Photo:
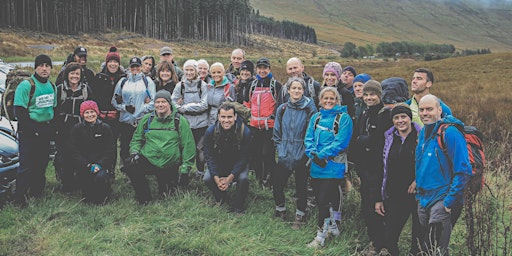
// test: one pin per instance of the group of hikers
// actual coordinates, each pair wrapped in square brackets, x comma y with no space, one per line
[229,121]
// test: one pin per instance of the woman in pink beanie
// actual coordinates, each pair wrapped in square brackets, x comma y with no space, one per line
[93,151]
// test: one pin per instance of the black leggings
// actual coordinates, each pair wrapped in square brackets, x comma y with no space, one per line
[328,194]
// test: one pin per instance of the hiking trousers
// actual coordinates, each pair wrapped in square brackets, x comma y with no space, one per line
[34,151]
[242,189]
[263,154]
[328,194]
[398,209]
[437,223]
[280,178]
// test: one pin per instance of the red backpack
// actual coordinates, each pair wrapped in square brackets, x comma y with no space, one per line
[263,104]
[474,140]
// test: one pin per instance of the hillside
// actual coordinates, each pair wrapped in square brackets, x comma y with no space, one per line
[463,23]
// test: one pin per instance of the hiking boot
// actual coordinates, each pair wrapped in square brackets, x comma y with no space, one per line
[384,252]
[280,214]
[236,210]
[319,240]
[299,222]
[333,229]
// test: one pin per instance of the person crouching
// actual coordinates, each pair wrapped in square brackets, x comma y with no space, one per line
[93,150]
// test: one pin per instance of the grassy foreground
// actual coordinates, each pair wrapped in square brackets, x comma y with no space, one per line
[185,224]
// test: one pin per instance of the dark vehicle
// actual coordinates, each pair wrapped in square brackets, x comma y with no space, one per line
[9,162]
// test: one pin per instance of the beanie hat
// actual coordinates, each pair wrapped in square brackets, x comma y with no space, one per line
[89,104]
[401,108]
[394,90]
[191,63]
[372,86]
[163,94]
[113,55]
[334,67]
[42,59]
[351,69]
[248,65]
[362,78]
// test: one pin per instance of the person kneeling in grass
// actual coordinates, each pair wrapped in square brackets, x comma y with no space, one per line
[226,150]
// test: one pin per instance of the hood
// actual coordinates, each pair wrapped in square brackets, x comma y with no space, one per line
[300,104]
[333,111]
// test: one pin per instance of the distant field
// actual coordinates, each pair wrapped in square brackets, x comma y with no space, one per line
[463,24]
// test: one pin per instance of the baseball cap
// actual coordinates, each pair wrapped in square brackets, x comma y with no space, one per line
[263,62]
[165,50]
[80,51]
[135,61]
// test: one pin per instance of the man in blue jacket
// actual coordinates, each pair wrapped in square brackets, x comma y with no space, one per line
[226,151]
[440,177]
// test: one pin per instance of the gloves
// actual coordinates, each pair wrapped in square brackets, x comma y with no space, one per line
[119,99]
[318,161]
[93,167]
[184,179]
[132,160]
[130,109]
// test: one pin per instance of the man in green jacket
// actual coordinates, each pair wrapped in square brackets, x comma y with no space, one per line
[162,145]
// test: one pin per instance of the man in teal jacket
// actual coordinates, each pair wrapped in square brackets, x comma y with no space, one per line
[162,145]
[440,177]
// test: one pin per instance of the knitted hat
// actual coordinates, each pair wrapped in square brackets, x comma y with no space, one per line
[372,86]
[351,69]
[42,59]
[334,67]
[88,104]
[394,90]
[191,63]
[247,65]
[363,78]
[401,108]
[113,55]
[163,94]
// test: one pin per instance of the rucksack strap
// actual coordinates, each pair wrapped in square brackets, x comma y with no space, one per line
[146,82]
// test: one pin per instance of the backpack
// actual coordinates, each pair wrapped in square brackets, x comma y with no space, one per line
[239,131]
[474,139]
[145,79]
[64,94]
[263,104]
[176,124]
[199,85]
[335,125]
[14,78]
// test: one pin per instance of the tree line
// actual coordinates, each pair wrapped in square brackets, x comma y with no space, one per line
[225,21]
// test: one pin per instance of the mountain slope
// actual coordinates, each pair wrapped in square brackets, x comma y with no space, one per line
[463,23]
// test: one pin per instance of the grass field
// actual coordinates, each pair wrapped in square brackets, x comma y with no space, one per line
[476,88]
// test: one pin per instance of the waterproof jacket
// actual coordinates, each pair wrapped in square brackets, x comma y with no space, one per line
[290,130]
[134,93]
[227,153]
[162,143]
[216,95]
[416,112]
[389,137]
[322,141]
[437,177]
[169,86]
[103,88]
[92,144]
[195,104]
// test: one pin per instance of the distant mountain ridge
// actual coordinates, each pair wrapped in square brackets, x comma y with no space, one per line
[467,24]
